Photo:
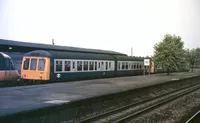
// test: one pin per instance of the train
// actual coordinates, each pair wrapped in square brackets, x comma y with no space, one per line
[7,69]
[43,65]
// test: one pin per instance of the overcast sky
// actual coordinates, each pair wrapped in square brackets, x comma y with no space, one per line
[101,24]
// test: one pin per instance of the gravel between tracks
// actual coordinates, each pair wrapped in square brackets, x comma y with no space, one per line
[173,112]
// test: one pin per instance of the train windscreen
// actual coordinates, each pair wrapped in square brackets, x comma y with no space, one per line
[41,64]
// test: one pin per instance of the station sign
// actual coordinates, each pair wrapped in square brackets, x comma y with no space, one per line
[146,62]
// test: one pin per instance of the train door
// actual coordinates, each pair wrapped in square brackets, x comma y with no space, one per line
[8,75]
[73,65]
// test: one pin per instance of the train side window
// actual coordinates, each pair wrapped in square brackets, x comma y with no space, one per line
[41,64]
[58,65]
[127,65]
[26,64]
[109,64]
[85,65]
[79,65]
[119,65]
[91,65]
[134,66]
[73,65]
[99,65]
[106,65]
[67,65]
[95,65]
[33,64]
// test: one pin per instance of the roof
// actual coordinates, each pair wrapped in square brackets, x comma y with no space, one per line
[38,46]
[69,55]
[4,55]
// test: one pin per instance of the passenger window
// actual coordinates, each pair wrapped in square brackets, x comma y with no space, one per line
[73,65]
[26,64]
[58,65]
[109,64]
[41,64]
[85,65]
[95,66]
[134,66]
[91,65]
[119,65]
[106,65]
[127,65]
[123,66]
[33,64]
[79,65]
[99,64]
[67,65]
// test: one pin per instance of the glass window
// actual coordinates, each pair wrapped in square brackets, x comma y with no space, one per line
[73,65]
[123,66]
[91,65]
[99,64]
[95,65]
[58,65]
[79,65]
[67,65]
[119,65]
[33,64]
[132,66]
[26,64]
[127,65]
[41,64]
[106,65]
[85,65]
[109,64]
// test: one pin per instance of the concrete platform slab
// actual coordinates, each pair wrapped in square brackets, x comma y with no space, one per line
[24,98]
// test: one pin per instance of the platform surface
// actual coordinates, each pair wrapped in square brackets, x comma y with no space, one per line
[18,99]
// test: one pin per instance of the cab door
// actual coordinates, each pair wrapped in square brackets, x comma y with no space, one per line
[7,70]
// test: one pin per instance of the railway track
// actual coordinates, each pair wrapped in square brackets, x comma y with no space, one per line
[131,111]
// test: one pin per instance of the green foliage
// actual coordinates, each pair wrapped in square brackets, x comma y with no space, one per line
[193,57]
[169,53]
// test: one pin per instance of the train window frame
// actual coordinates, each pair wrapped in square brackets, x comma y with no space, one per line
[119,65]
[38,67]
[91,65]
[33,67]
[95,65]
[85,65]
[79,65]
[106,65]
[28,64]
[61,65]
[68,68]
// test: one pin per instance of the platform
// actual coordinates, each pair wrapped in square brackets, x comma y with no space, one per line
[24,98]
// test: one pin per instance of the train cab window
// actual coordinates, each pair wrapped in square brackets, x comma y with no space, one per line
[106,65]
[67,65]
[58,65]
[26,64]
[7,64]
[33,64]
[79,65]
[91,65]
[95,65]
[85,65]
[41,64]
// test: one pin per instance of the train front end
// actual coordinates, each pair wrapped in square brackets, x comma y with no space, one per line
[35,68]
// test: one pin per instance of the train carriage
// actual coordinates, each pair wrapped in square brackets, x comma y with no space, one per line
[129,65]
[59,65]
[7,69]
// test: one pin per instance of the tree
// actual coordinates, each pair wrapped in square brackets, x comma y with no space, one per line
[169,53]
[191,57]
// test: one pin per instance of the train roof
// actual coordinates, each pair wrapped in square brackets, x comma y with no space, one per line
[4,55]
[37,46]
[69,55]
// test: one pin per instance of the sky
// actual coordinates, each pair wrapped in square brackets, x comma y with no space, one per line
[115,25]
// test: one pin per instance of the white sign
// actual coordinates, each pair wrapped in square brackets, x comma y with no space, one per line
[146,62]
